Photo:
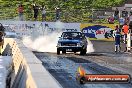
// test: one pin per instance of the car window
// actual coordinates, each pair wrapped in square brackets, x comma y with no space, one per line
[71,35]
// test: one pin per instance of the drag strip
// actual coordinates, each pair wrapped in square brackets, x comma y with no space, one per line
[63,69]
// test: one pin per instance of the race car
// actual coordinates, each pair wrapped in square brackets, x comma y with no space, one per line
[72,41]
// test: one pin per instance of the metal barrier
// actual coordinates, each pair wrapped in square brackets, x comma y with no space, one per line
[28,70]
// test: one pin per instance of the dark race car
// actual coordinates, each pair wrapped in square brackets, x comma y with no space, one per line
[72,41]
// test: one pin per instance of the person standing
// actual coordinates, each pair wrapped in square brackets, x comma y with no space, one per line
[20,12]
[116,14]
[121,22]
[125,30]
[127,20]
[117,39]
[35,9]
[43,13]
[57,13]
[124,13]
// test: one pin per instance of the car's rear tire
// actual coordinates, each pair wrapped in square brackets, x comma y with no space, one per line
[64,51]
[58,51]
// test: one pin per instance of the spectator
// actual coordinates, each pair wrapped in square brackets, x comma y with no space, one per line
[57,13]
[117,39]
[127,20]
[111,20]
[116,14]
[20,12]
[35,9]
[121,22]
[124,13]
[43,13]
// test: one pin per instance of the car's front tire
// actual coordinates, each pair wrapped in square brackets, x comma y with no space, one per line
[83,51]
[63,51]
[58,51]
[74,51]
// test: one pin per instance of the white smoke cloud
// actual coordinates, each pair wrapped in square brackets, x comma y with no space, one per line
[90,47]
[42,43]
[27,41]
[48,42]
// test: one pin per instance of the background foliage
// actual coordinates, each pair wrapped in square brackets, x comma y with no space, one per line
[71,10]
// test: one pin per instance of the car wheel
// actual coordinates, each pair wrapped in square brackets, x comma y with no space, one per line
[64,51]
[74,51]
[83,51]
[58,51]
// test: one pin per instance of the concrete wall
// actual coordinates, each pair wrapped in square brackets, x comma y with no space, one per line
[28,70]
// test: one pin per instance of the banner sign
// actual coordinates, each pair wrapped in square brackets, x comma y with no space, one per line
[99,31]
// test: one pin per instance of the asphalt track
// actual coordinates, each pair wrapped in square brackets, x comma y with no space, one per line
[63,67]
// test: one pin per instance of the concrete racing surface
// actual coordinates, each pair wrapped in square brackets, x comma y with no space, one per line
[63,67]
[105,46]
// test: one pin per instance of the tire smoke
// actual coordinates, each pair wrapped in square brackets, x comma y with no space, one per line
[46,43]
[90,47]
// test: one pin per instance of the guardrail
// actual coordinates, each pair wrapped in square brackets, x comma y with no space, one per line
[28,70]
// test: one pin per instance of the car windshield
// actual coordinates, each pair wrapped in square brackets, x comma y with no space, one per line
[74,35]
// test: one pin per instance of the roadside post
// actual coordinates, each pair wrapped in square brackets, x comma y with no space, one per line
[129,37]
